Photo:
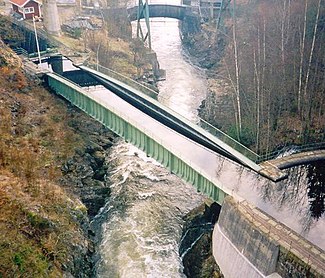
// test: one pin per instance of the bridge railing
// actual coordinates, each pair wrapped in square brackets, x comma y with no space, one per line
[23,52]
[257,158]
[228,140]
[46,52]
[202,123]
[134,84]
[139,136]
[290,149]
[20,51]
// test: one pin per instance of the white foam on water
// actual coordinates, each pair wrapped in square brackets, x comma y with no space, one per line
[144,219]
[144,223]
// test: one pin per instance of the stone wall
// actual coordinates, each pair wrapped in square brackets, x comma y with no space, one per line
[247,240]
[253,244]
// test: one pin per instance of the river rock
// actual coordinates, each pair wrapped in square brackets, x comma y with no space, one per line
[91,161]
[196,244]
[93,147]
[100,174]
[105,141]
[84,171]
[99,157]
[94,196]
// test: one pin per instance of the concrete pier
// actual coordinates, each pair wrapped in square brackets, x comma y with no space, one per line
[51,17]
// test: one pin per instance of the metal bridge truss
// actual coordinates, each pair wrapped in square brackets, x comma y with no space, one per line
[143,139]
[143,12]
[223,6]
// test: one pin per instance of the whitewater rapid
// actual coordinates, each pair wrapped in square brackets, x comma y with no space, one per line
[144,214]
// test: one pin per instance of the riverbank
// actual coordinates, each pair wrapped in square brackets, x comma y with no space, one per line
[57,161]
[45,225]
[196,243]
[261,107]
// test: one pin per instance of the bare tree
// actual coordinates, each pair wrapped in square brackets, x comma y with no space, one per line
[237,88]
[302,51]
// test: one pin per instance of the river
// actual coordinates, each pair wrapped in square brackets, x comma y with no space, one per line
[144,216]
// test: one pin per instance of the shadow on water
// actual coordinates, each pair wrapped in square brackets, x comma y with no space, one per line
[303,192]
[308,185]
[316,188]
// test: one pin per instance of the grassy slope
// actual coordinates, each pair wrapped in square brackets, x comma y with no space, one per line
[38,220]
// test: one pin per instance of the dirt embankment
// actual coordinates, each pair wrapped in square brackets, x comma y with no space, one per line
[52,178]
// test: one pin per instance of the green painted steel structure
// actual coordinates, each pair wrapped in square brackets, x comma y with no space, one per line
[143,12]
[237,150]
[143,139]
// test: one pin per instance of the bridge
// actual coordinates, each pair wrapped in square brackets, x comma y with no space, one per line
[142,101]
[163,10]
[144,10]
[154,129]
[211,166]
[155,139]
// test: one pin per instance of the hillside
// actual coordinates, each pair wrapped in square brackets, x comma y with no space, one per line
[44,230]
[53,161]
[266,72]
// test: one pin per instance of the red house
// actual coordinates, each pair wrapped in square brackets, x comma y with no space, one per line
[27,8]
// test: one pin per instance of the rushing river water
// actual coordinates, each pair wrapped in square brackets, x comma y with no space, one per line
[143,224]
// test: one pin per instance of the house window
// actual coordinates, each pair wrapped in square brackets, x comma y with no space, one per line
[29,10]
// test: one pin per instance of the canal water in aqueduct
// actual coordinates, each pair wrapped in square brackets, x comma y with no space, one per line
[143,226]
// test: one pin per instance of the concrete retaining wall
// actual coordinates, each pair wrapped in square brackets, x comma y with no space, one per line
[249,243]
[258,253]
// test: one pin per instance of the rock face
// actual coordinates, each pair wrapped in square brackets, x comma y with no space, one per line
[202,43]
[196,245]
[85,173]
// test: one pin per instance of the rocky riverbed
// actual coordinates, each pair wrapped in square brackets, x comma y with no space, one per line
[85,175]
[196,244]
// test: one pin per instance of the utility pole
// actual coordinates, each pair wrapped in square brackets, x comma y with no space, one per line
[97,53]
[37,44]
[143,12]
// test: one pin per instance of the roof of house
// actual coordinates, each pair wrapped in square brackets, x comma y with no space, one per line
[22,3]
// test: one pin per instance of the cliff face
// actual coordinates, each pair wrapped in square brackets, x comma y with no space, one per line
[51,178]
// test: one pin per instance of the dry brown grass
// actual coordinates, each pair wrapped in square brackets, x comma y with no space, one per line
[37,227]
[38,220]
